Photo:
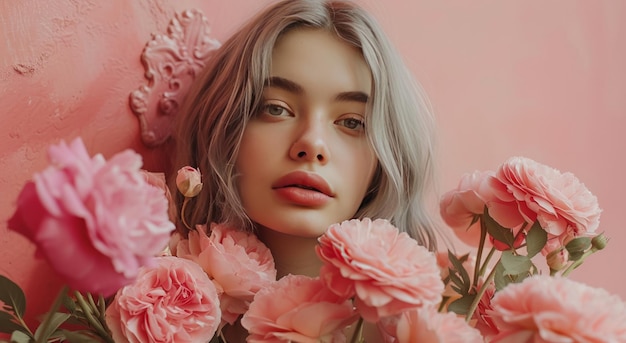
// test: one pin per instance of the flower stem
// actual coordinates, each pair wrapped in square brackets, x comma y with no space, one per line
[578,262]
[182,213]
[479,254]
[357,336]
[480,294]
[95,323]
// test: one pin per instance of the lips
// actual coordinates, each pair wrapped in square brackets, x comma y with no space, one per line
[304,180]
[303,189]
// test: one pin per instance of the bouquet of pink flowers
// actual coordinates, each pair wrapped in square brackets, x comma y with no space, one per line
[138,281]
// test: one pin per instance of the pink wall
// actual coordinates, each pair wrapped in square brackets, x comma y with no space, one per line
[541,79]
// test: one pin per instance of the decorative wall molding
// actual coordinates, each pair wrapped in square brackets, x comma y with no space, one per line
[171,63]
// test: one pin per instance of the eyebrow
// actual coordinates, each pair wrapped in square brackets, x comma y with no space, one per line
[290,86]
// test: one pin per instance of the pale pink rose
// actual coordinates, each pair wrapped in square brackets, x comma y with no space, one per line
[238,262]
[427,325]
[388,271]
[459,207]
[189,181]
[300,309]
[172,302]
[557,309]
[95,221]
[559,201]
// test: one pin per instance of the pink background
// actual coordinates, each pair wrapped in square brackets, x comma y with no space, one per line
[545,80]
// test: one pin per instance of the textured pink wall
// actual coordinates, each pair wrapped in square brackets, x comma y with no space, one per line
[541,79]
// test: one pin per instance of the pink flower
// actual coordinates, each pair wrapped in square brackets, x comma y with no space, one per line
[237,262]
[427,325]
[459,207]
[189,181]
[556,309]
[158,180]
[482,315]
[386,270]
[173,302]
[561,203]
[96,222]
[298,309]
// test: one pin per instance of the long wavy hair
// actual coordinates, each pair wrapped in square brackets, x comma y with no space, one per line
[211,123]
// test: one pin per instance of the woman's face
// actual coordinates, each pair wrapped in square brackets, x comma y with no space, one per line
[304,161]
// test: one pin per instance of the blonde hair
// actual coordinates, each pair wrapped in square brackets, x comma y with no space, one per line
[399,124]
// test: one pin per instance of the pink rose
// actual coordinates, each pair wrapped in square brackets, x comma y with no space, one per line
[297,308]
[189,181]
[427,325]
[96,222]
[158,180]
[172,302]
[387,270]
[556,309]
[482,315]
[559,201]
[459,207]
[236,261]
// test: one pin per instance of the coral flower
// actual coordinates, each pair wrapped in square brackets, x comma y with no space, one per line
[237,262]
[556,309]
[297,308]
[427,325]
[174,302]
[95,221]
[386,270]
[559,201]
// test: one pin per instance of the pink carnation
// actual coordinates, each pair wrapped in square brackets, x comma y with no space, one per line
[237,262]
[458,207]
[298,309]
[427,325]
[559,201]
[556,309]
[173,302]
[96,222]
[387,270]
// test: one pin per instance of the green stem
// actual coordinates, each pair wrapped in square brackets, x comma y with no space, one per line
[90,318]
[487,259]
[480,294]
[357,336]
[578,262]
[479,254]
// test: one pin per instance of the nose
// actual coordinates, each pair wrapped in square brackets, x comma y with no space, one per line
[311,144]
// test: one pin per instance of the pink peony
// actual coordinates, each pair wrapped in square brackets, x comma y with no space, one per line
[427,325]
[237,262]
[96,222]
[158,180]
[475,191]
[559,201]
[387,270]
[298,309]
[556,309]
[173,302]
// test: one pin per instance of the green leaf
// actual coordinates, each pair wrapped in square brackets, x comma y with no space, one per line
[497,231]
[13,296]
[578,245]
[515,264]
[76,336]
[20,337]
[461,306]
[458,271]
[54,321]
[499,279]
[535,239]
[8,324]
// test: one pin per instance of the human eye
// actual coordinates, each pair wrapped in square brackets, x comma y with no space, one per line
[352,123]
[274,110]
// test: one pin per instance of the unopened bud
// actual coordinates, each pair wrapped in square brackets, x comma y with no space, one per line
[189,181]
[599,242]
[557,259]
[578,245]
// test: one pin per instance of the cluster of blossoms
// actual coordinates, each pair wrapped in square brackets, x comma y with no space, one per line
[116,222]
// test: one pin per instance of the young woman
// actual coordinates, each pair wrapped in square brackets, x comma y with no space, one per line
[307,117]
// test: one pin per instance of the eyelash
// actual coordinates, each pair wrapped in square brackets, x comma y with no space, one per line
[360,124]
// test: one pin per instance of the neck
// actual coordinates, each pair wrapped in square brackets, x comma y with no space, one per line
[292,254]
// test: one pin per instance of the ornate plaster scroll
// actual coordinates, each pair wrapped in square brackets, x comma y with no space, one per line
[171,63]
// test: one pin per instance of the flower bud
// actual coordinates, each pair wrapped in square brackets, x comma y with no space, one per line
[599,242]
[557,259]
[189,181]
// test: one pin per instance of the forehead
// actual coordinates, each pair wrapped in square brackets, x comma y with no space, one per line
[318,58]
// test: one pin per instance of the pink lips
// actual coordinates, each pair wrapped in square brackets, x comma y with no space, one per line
[303,188]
